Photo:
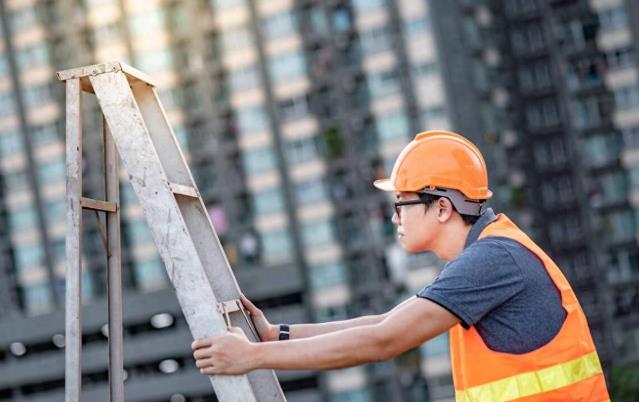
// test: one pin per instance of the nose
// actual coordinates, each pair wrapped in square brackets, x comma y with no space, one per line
[395,218]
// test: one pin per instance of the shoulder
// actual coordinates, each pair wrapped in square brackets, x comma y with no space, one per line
[487,258]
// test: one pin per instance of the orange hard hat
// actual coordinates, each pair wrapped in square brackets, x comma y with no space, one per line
[439,159]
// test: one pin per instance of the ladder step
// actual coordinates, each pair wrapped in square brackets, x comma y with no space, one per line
[184,190]
[98,205]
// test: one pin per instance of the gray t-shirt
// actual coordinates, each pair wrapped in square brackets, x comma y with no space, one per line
[501,288]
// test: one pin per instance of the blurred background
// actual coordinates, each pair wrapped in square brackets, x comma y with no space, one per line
[287,110]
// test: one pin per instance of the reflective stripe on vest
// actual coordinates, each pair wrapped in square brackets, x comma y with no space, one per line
[534,382]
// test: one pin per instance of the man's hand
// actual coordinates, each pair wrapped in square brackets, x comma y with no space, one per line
[266,330]
[231,353]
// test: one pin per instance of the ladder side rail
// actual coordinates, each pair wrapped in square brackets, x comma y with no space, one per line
[203,234]
[162,134]
[114,268]
[165,220]
[73,245]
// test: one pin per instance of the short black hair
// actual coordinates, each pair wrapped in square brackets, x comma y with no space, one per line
[429,199]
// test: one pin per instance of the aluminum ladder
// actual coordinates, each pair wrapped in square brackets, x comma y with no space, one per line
[136,128]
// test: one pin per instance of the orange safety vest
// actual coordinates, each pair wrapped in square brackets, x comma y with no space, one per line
[565,369]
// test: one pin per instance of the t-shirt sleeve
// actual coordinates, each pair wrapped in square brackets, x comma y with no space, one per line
[482,277]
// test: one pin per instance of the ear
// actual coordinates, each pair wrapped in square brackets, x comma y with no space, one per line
[444,209]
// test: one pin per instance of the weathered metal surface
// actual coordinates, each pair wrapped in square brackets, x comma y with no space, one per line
[102,68]
[168,227]
[73,322]
[114,269]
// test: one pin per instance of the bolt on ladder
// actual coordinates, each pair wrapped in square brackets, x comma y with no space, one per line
[136,128]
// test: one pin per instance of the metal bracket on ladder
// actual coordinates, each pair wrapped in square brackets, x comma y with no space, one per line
[137,126]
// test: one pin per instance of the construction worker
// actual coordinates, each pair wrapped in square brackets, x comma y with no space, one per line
[516,329]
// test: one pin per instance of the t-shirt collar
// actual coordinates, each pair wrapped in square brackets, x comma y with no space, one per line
[483,221]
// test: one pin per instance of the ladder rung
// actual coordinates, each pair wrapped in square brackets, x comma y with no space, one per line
[98,205]
[183,190]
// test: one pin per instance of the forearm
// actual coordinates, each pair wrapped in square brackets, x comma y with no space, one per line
[349,347]
[298,331]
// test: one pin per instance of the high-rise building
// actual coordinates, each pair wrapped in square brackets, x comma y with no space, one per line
[287,110]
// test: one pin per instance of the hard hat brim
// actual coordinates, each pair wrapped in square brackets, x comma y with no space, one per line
[384,185]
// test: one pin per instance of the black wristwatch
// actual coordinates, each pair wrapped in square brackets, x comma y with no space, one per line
[285,332]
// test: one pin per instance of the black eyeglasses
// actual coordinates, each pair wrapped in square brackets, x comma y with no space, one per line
[408,202]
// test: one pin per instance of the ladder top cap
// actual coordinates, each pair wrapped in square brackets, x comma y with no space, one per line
[103,68]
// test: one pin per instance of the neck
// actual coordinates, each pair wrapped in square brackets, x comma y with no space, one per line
[452,240]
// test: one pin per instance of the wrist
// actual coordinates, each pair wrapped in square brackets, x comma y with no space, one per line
[273,332]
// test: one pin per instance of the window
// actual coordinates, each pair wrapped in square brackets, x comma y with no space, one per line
[516,8]
[147,21]
[16,180]
[245,77]
[317,233]
[107,34]
[392,126]
[155,60]
[293,108]
[150,275]
[627,97]
[549,154]
[285,67]
[251,119]
[22,219]
[602,149]
[10,143]
[367,5]
[234,39]
[22,19]
[342,19]
[328,274]
[376,40]
[32,56]
[543,114]
[588,112]
[535,76]
[425,69]
[613,187]
[37,299]
[51,171]
[7,104]
[416,26]
[433,114]
[28,256]
[359,395]
[38,95]
[258,160]
[139,231]
[276,246]
[526,39]
[310,191]
[437,346]
[613,18]
[55,211]
[558,191]
[619,58]
[301,150]
[45,134]
[384,83]
[278,25]
[227,3]
[621,226]
[268,201]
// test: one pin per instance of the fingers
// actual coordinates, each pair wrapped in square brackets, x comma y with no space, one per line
[249,305]
[236,330]
[199,344]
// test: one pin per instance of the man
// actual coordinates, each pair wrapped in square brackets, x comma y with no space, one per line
[516,329]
